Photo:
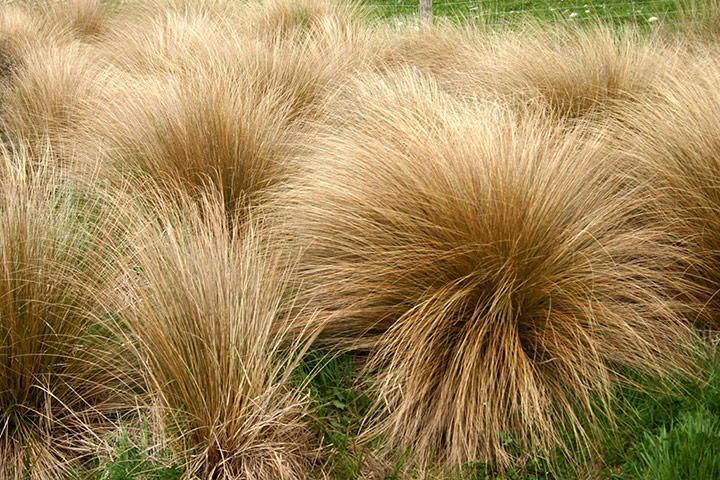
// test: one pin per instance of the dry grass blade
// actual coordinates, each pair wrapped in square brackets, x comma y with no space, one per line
[203,316]
[501,272]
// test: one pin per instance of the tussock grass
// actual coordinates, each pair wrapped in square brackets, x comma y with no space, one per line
[241,149]
[500,271]
[204,319]
[672,132]
[288,18]
[253,98]
[85,20]
[561,70]
[62,377]
[505,228]
[161,42]
[49,95]
[18,30]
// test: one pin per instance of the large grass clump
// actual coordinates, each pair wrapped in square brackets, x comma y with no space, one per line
[213,106]
[498,269]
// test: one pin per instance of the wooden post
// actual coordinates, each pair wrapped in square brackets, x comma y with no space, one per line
[426,15]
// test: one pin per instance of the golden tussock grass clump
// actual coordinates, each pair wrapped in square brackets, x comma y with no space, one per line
[500,271]
[173,39]
[61,375]
[222,11]
[335,38]
[290,18]
[673,134]
[18,30]
[162,41]
[28,24]
[84,20]
[571,72]
[233,116]
[209,128]
[203,318]
[50,93]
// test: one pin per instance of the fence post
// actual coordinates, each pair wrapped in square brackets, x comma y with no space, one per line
[426,15]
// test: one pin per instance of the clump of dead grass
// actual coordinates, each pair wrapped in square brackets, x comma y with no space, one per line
[49,94]
[232,113]
[209,128]
[290,18]
[563,71]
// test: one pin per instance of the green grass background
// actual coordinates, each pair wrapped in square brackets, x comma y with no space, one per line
[517,12]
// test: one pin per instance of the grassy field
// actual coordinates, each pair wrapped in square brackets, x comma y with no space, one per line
[284,240]
[642,15]
[511,13]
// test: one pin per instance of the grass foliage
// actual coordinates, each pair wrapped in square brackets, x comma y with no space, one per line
[61,377]
[283,240]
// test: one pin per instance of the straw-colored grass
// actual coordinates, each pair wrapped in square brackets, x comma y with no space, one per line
[207,129]
[565,71]
[62,377]
[204,319]
[290,18]
[498,268]
[504,222]
[673,133]
[210,108]
[48,96]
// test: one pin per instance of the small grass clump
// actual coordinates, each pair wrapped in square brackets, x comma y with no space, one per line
[48,95]
[561,70]
[203,319]
[62,376]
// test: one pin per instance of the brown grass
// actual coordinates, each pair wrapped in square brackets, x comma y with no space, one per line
[85,20]
[214,109]
[565,71]
[672,133]
[290,18]
[203,311]
[62,376]
[210,128]
[163,41]
[503,220]
[49,95]
[501,272]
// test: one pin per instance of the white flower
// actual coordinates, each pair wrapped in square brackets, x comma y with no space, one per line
[653,19]
[573,15]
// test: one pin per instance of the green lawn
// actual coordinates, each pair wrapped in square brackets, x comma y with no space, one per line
[511,12]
